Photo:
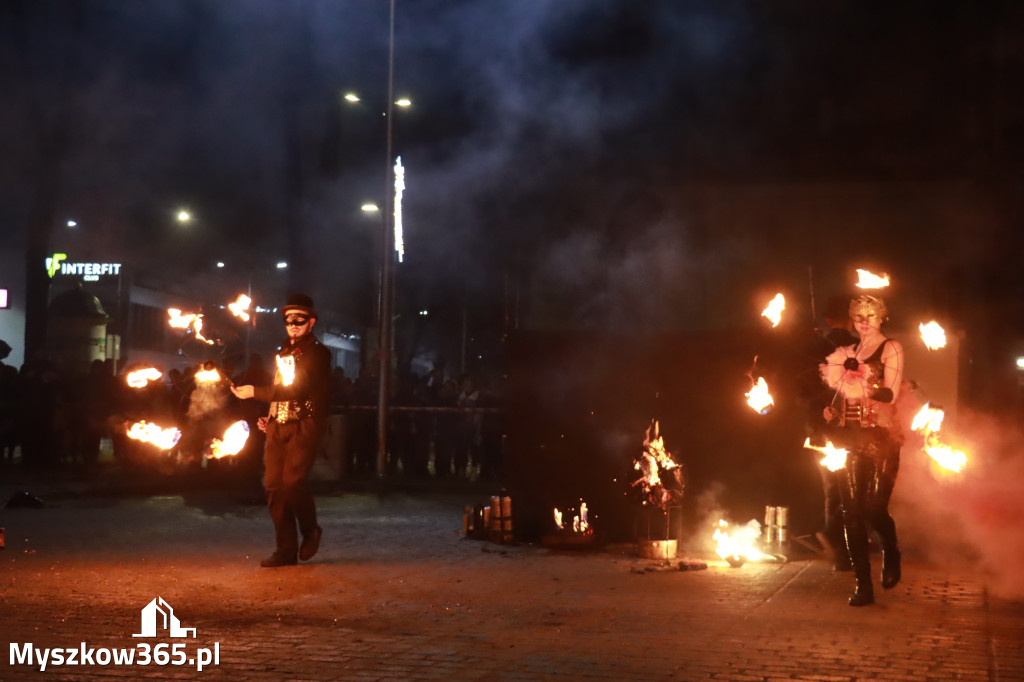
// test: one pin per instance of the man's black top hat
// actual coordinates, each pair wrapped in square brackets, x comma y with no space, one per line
[299,303]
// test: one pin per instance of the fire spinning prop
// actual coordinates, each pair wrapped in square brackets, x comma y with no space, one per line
[240,307]
[933,335]
[140,378]
[234,440]
[758,396]
[164,439]
[869,280]
[193,321]
[929,422]
[834,459]
[774,310]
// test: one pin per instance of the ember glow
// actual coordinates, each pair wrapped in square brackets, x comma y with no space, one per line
[234,440]
[933,335]
[759,398]
[240,307]
[869,280]
[774,310]
[739,542]
[286,368]
[140,377]
[165,439]
[558,519]
[929,422]
[834,459]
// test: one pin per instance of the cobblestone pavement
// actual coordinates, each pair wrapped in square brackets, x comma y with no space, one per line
[397,594]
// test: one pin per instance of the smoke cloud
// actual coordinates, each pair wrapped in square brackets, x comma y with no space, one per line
[969,521]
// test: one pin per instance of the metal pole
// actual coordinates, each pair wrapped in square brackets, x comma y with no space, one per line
[387,254]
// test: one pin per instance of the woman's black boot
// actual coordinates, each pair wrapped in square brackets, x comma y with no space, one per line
[890,567]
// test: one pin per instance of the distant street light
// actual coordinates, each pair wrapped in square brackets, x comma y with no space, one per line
[184,216]
[404,102]
[72,223]
[351,97]
[369,208]
[281,265]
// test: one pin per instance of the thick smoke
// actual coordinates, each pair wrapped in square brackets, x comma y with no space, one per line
[969,521]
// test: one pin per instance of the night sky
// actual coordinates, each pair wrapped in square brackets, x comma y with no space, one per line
[551,148]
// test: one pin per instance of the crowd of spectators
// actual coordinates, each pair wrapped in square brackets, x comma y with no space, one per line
[438,427]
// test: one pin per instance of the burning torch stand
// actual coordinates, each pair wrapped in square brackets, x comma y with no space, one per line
[659,549]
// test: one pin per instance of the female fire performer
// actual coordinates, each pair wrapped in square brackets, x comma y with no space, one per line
[866,378]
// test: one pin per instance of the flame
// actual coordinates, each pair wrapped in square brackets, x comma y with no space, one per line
[240,308]
[933,335]
[558,518]
[584,525]
[740,543]
[165,439]
[207,375]
[286,367]
[929,422]
[774,310]
[758,396]
[834,459]
[140,377]
[869,280]
[179,321]
[234,440]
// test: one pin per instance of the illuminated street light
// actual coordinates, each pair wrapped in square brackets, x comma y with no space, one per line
[369,208]
[72,223]
[403,102]
[184,216]
[351,97]
[220,264]
[281,265]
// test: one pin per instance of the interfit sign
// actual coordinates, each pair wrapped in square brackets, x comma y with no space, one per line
[58,264]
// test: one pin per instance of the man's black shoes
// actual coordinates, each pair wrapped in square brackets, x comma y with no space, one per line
[310,544]
[277,559]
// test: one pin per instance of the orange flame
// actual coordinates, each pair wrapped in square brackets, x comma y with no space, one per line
[207,375]
[240,308]
[140,377]
[834,459]
[558,519]
[177,320]
[774,310]
[869,280]
[929,422]
[933,335]
[286,367]
[740,543]
[758,396]
[234,440]
[165,439]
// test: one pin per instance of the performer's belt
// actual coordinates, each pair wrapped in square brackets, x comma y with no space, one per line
[283,411]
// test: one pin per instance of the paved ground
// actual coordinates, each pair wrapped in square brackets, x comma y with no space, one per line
[397,594]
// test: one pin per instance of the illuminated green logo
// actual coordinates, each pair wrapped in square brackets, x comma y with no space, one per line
[53,263]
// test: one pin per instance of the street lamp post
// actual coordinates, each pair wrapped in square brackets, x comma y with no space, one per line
[387,254]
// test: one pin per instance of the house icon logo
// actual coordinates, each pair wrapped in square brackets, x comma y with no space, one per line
[170,621]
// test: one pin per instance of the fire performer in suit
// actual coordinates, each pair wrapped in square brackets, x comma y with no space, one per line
[866,378]
[295,427]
